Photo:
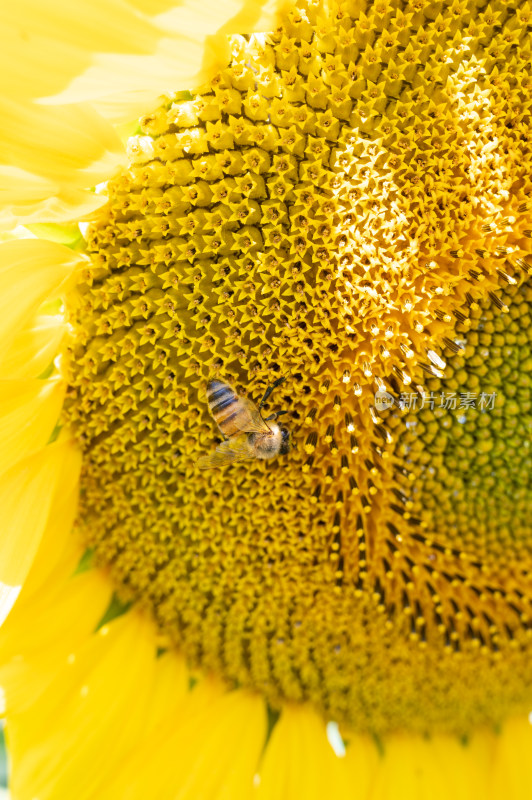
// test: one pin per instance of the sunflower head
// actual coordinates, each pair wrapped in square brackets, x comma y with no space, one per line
[336,226]
[333,209]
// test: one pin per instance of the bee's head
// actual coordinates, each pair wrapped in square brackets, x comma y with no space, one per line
[285,440]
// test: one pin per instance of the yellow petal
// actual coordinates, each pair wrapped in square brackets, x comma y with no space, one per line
[26,493]
[98,49]
[222,754]
[33,348]
[362,760]
[169,691]
[409,769]
[227,17]
[57,609]
[71,145]
[39,636]
[138,80]
[88,718]
[438,768]
[59,153]
[466,763]
[29,410]
[26,198]
[121,55]
[218,736]
[512,773]
[56,558]
[60,548]
[30,271]
[299,761]
[65,37]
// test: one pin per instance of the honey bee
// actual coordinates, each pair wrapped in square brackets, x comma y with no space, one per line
[248,434]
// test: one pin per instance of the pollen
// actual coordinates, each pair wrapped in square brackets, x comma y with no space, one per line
[345,206]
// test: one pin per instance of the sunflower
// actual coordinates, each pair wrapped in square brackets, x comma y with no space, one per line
[328,198]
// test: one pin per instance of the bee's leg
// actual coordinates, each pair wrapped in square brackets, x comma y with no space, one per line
[270,389]
[275,415]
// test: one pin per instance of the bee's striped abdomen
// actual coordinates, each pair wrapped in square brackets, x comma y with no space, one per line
[225,407]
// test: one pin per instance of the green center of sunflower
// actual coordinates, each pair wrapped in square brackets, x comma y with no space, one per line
[468,439]
[325,211]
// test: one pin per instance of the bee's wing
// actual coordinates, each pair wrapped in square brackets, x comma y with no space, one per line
[250,419]
[237,448]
